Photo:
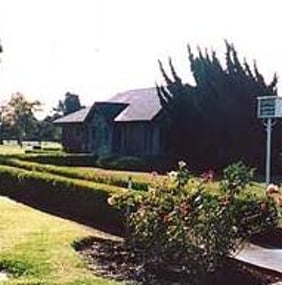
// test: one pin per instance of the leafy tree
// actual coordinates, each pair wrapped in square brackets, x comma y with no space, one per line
[70,104]
[19,115]
[213,122]
[47,131]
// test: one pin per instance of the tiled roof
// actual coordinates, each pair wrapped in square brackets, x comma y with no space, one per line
[76,117]
[129,106]
[143,105]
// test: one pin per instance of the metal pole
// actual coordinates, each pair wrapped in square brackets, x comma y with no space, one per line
[268,150]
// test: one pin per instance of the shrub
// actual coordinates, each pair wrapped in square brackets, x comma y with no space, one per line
[60,158]
[121,162]
[75,198]
[95,175]
[136,163]
[188,229]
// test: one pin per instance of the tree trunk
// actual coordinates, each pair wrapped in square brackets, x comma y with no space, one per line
[20,139]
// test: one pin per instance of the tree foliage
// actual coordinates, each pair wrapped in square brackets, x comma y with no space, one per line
[70,104]
[47,131]
[18,114]
[213,122]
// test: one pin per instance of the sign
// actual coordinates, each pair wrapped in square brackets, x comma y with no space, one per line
[269,107]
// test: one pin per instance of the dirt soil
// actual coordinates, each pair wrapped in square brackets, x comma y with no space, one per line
[270,239]
[111,259]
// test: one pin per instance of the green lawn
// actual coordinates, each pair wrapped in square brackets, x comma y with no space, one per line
[36,247]
[11,149]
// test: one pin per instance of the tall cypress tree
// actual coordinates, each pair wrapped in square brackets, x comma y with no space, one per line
[213,122]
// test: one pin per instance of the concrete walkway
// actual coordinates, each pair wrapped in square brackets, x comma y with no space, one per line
[262,256]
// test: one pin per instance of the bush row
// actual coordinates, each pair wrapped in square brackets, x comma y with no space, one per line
[87,200]
[117,162]
[58,158]
[158,163]
[73,198]
[95,175]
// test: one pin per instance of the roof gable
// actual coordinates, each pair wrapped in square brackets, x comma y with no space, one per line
[109,109]
[75,117]
[143,105]
[129,106]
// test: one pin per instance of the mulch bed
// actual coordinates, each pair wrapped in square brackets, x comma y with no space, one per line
[270,239]
[111,259]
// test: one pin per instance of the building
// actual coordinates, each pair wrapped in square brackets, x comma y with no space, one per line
[130,123]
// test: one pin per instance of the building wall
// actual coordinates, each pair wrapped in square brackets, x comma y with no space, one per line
[139,138]
[74,138]
[100,135]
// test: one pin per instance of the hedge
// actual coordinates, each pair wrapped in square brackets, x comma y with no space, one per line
[84,200]
[160,163]
[56,158]
[100,176]
[75,198]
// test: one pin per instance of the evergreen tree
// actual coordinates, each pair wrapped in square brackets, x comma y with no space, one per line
[214,122]
[70,104]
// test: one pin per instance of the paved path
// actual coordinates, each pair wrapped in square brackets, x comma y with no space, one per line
[265,257]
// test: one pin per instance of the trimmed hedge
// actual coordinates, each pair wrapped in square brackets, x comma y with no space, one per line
[87,201]
[75,198]
[99,176]
[117,162]
[158,163]
[57,158]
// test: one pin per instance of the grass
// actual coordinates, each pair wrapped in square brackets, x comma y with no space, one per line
[137,177]
[36,248]
[11,147]
[256,188]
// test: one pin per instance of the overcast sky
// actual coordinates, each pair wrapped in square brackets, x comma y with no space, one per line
[96,48]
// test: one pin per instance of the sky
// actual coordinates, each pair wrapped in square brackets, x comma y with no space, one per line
[97,48]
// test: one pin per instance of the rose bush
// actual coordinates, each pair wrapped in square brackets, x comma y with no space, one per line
[185,228]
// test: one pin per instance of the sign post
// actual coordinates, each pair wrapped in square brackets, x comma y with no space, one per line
[269,108]
[268,150]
